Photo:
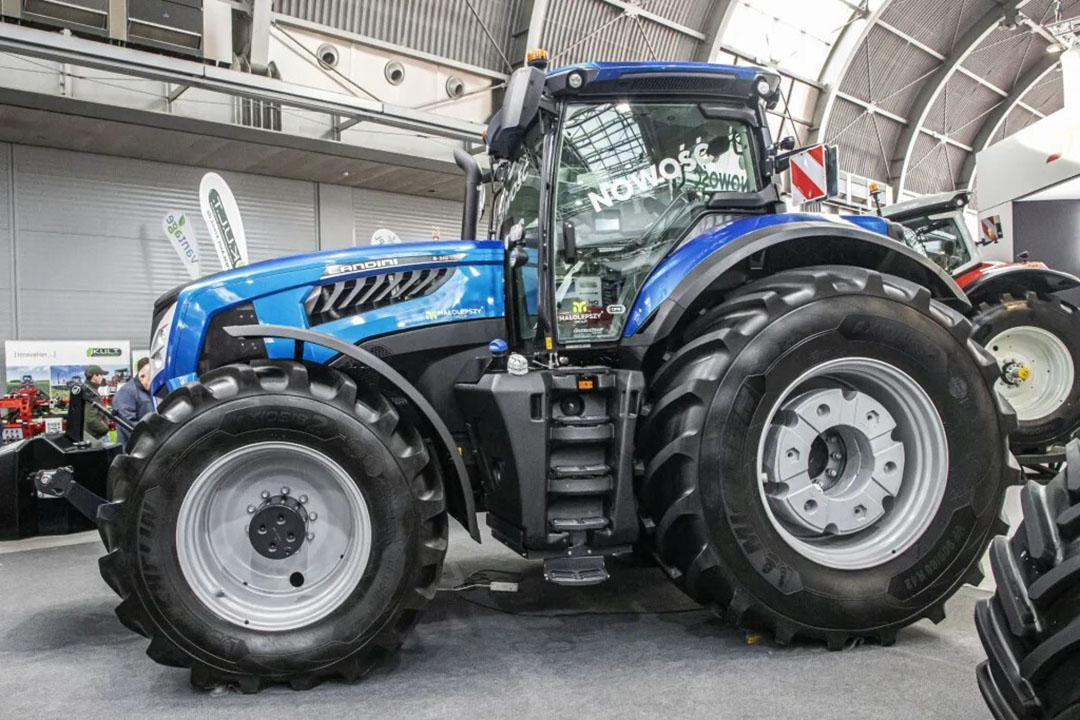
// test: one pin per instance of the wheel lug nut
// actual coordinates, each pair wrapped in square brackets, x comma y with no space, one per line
[311,536]
[830,473]
[284,491]
[303,499]
[251,509]
[265,494]
[313,516]
[837,456]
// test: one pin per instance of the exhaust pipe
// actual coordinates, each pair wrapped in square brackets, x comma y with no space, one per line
[473,178]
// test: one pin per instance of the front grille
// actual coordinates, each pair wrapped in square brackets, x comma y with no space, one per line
[327,303]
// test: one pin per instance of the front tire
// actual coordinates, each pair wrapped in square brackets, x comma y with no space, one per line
[273,523]
[732,434]
[1041,335]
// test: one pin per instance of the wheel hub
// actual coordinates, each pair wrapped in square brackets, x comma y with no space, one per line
[278,527]
[853,463]
[273,536]
[1014,373]
[832,463]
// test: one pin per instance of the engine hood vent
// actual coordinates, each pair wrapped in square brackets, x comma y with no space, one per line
[334,301]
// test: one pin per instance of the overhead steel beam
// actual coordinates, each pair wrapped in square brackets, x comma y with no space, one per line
[995,119]
[56,47]
[876,110]
[941,58]
[260,33]
[872,108]
[716,25]
[932,88]
[534,37]
[844,52]
[633,9]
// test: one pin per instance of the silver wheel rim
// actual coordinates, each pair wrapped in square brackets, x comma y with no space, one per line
[853,463]
[236,582]
[1050,365]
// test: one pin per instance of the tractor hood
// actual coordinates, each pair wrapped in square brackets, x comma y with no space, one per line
[353,294]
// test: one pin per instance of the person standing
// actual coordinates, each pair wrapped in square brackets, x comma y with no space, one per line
[133,401]
[95,422]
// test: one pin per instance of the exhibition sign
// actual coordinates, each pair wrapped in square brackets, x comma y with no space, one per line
[51,365]
[222,217]
[182,237]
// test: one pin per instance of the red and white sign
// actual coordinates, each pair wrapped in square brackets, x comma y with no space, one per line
[808,180]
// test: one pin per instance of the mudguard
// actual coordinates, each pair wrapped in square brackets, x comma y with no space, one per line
[781,242]
[462,508]
[991,280]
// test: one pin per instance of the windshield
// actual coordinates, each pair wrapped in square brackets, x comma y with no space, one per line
[632,179]
[942,238]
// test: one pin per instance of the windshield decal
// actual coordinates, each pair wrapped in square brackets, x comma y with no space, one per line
[683,166]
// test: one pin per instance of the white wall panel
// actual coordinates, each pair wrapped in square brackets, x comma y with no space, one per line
[91,254]
[7,308]
[411,217]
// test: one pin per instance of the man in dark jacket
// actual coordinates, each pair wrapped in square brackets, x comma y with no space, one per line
[132,401]
[95,422]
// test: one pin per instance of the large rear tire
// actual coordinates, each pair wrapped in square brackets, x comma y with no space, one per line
[1030,628]
[273,523]
[1038,335]
[825,456]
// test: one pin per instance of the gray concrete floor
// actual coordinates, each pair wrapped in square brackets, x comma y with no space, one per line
[63,654]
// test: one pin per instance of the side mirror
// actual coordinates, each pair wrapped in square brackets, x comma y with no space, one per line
[1023,256]
[569,239]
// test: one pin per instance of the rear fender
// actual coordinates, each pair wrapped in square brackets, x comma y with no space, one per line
[987,282]
[771,249]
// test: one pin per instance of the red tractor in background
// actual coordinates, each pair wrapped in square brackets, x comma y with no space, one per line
[1018,316]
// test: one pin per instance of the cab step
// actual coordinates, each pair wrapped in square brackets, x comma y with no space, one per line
[580,485]
[577,571]
[578,524]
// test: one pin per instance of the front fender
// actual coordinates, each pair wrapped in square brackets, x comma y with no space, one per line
[460,497]
[990,281]
[709,263]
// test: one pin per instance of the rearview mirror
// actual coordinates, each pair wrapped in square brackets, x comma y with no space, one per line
[520,106]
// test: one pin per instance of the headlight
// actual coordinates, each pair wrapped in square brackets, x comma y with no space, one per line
[159,341]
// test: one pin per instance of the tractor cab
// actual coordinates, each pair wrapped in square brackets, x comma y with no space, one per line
[602,169]
[934,226]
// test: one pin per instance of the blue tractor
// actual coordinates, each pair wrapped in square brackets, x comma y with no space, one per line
[646,352]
